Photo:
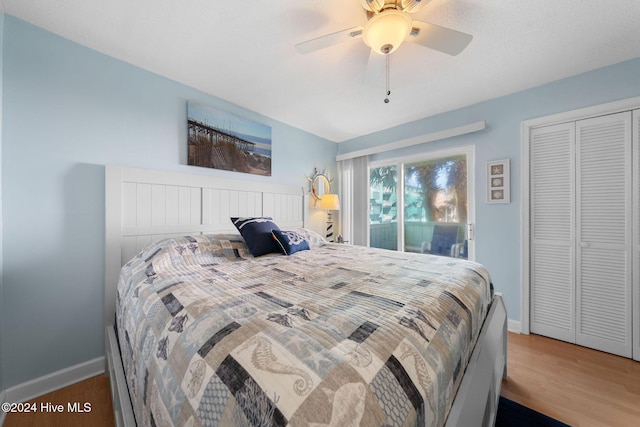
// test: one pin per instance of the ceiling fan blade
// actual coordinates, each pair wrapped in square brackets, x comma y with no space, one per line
[406,5]
[412,6]
[372,5]
[329,40]
[442,39]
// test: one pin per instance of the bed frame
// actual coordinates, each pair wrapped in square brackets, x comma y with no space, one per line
[144,206]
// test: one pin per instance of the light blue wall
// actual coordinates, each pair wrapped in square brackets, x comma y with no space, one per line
[68,111]
[498,241]
[1,264]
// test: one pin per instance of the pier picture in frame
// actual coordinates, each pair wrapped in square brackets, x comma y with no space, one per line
[221,140]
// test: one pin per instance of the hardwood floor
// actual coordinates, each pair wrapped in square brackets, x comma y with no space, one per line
[576,385]
[95,391]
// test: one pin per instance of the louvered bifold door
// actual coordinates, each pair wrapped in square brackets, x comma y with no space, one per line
[552,303]
[635,225]
[603,215]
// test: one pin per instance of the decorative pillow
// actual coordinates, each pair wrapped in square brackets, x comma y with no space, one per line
[314,239]
[256,232]
[290,241]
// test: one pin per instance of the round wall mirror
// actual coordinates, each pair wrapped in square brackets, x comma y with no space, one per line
[320,185]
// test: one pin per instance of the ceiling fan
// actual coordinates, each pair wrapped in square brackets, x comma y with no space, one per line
[389,24]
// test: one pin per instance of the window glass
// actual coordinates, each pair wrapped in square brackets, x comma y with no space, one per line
[433,197]
[435,200]
[383,207]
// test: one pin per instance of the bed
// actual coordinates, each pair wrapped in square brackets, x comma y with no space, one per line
[337,334]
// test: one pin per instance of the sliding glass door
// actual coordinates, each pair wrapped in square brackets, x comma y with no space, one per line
[422,204]
[383,207]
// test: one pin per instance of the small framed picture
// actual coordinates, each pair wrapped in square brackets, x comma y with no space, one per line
[498,190]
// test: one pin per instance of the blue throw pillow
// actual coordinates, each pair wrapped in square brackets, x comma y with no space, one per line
[290,242]
[256,232]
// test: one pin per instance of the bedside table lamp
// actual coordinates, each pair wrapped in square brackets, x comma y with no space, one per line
[329,202]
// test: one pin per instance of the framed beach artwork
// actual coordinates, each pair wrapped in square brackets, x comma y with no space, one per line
[222,140]
[498,189]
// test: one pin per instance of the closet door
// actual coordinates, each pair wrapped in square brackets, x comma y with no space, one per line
[552,169]
[603,215]
[635,287]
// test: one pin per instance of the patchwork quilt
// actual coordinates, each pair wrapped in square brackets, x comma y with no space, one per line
[338,335]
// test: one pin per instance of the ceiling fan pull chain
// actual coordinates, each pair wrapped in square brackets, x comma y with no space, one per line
[386,100]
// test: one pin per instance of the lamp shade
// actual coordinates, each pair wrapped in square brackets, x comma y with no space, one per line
[385,31]
[330,202]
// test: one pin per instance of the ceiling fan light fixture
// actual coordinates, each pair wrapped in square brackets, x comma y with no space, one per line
[387,28]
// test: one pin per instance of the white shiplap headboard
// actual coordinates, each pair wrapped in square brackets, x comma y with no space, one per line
[143,206]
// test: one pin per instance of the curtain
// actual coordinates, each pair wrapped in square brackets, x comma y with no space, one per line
[354,191]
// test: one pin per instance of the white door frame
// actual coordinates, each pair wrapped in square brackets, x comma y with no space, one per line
[526,126]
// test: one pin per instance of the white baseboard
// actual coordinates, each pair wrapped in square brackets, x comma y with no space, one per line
[514,326]
[54,381]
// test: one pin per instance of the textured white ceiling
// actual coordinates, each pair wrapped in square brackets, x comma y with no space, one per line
[243,52]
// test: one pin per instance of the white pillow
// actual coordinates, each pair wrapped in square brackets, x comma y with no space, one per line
[315,240]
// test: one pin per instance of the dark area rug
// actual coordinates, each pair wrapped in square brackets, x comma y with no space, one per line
[512,414]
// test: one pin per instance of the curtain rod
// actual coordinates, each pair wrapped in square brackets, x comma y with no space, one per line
[420,139]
